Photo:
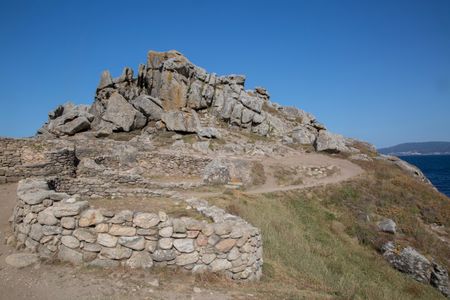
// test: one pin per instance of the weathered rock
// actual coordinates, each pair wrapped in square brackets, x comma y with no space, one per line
[70,255]
[36,232]
[439,279]
[151,107]
[70,242]
[119,230]
[85,234]
[146,220]
[118,252]
[90,217]
[220,265]
[163,255]
[165,243]
[105,80]
[225,245]
[209,132]
[122,114]
[181,121]
[387,225]
[186,258]
[184,245]
[166,232]
[67,222]
[216,172]
[327,141]
[133,242]
[140,259]
[46,217]
[122,217]
[21,260]
[104,263]
[69,208]
[91,247]
[107,240]
[303,135]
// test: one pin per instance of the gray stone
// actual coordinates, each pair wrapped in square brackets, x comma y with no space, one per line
[107,240]
[67,223]
[121,113]
[166,232]
[68,208]
[36,232]
[184,245]
[140,259]
[303,135]
[105,80]
[122,230]
[207,258]
[163,255]
[151,107]
[209,132]
[77,125]
[439,279]
[118,252]
[70,255]
[220,265]
[179,226]
[46,217]
[104,263]
[387,225]
[181,121]
[146,220]
[85,234]
[186,258]
[91,247]
[70,241]
[329,142]
[51,230]
[21,260]
[216,172]
[133,242]
[165,243]
[122,216]
[90,217]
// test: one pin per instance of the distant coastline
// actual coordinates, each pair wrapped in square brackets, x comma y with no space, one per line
[414,149]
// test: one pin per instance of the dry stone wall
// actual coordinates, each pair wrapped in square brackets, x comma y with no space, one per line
[59,226]
[20,158]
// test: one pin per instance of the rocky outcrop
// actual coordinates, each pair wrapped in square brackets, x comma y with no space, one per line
[410,261]
[407,167]
[170,92]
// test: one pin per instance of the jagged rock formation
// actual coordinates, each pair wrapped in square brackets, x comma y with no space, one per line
[169,92]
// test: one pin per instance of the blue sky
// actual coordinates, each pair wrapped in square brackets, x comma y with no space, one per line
[373,70]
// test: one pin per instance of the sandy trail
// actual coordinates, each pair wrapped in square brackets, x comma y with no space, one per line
[347,170]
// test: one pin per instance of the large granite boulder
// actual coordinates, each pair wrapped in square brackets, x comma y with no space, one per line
[330,142]
[122,114]
[67,119]
[304,135]
[181,121]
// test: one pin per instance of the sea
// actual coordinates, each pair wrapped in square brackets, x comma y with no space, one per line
[435,167]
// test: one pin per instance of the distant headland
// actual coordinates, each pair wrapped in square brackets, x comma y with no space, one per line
[423,148]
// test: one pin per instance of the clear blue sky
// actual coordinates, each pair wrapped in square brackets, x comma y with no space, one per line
[374,70]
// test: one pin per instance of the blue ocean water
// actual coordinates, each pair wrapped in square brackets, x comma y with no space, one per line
[435,167]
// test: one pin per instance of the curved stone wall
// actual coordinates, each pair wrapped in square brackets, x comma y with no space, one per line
[59,226]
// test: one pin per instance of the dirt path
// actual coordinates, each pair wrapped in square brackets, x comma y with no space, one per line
[346,171]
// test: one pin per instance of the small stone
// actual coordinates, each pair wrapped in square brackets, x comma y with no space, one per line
[186,259]
[133,242]
[213,239]
[164,255]
[179,226]
[197,290]
[140,259]
[146,220]
[122,230]
[122,217]
[184,245]
[36,232]
[70,255]
[30,217]
[69,208]
[102,228]
[90,217]
[89,256]
[162,216]
[202,240]
[146,232]
[387,225]
[107,240]
[220,265]
[225,245]
[104,263]
[223,228]
[85,234]
[192,234]
[68,222]
[46,217]
[92,247]
[118,252]
[166,232]
[21,260]
[234,254]
[165,243]
[150,246]
[207,258]
[70,241]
